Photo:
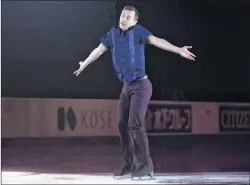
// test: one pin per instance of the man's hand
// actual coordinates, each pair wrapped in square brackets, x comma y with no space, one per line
[82,66]
[187,54]
[91,58]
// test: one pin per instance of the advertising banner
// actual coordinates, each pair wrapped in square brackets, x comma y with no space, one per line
[169,118]
[91,117]
[234,118]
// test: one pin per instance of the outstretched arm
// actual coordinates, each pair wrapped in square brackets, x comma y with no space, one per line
[165,45]
[95,54]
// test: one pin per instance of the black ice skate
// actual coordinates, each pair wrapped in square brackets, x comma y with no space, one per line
[143,173]
[125,169]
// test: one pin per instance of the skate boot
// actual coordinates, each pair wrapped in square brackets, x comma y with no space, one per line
[125,169]
[143,173]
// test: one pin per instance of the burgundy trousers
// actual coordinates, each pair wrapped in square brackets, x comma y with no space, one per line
[132,108]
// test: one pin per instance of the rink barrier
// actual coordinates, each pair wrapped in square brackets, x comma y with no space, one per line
[90,117]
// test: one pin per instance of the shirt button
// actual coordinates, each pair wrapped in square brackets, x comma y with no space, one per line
[121,49]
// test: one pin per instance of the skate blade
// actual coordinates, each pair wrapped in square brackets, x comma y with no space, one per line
[122,177]
[143,178]
[146,177]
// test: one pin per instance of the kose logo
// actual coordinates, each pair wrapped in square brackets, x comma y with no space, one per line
[66,115]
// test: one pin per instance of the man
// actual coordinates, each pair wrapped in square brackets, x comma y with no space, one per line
[126,43]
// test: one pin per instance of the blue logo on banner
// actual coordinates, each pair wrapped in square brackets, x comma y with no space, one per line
[234,118]
[169,118]
[63,115]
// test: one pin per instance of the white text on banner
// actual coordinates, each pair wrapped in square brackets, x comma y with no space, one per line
[234,118]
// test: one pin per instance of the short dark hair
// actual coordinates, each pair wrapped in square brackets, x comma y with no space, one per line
[132,8]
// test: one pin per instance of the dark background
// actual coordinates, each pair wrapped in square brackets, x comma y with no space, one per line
[43,41]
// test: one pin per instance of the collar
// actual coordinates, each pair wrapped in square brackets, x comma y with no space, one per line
[126,31]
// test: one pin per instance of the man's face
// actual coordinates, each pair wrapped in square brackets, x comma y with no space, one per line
[127,19]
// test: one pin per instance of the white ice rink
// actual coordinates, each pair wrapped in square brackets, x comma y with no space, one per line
[102,178]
